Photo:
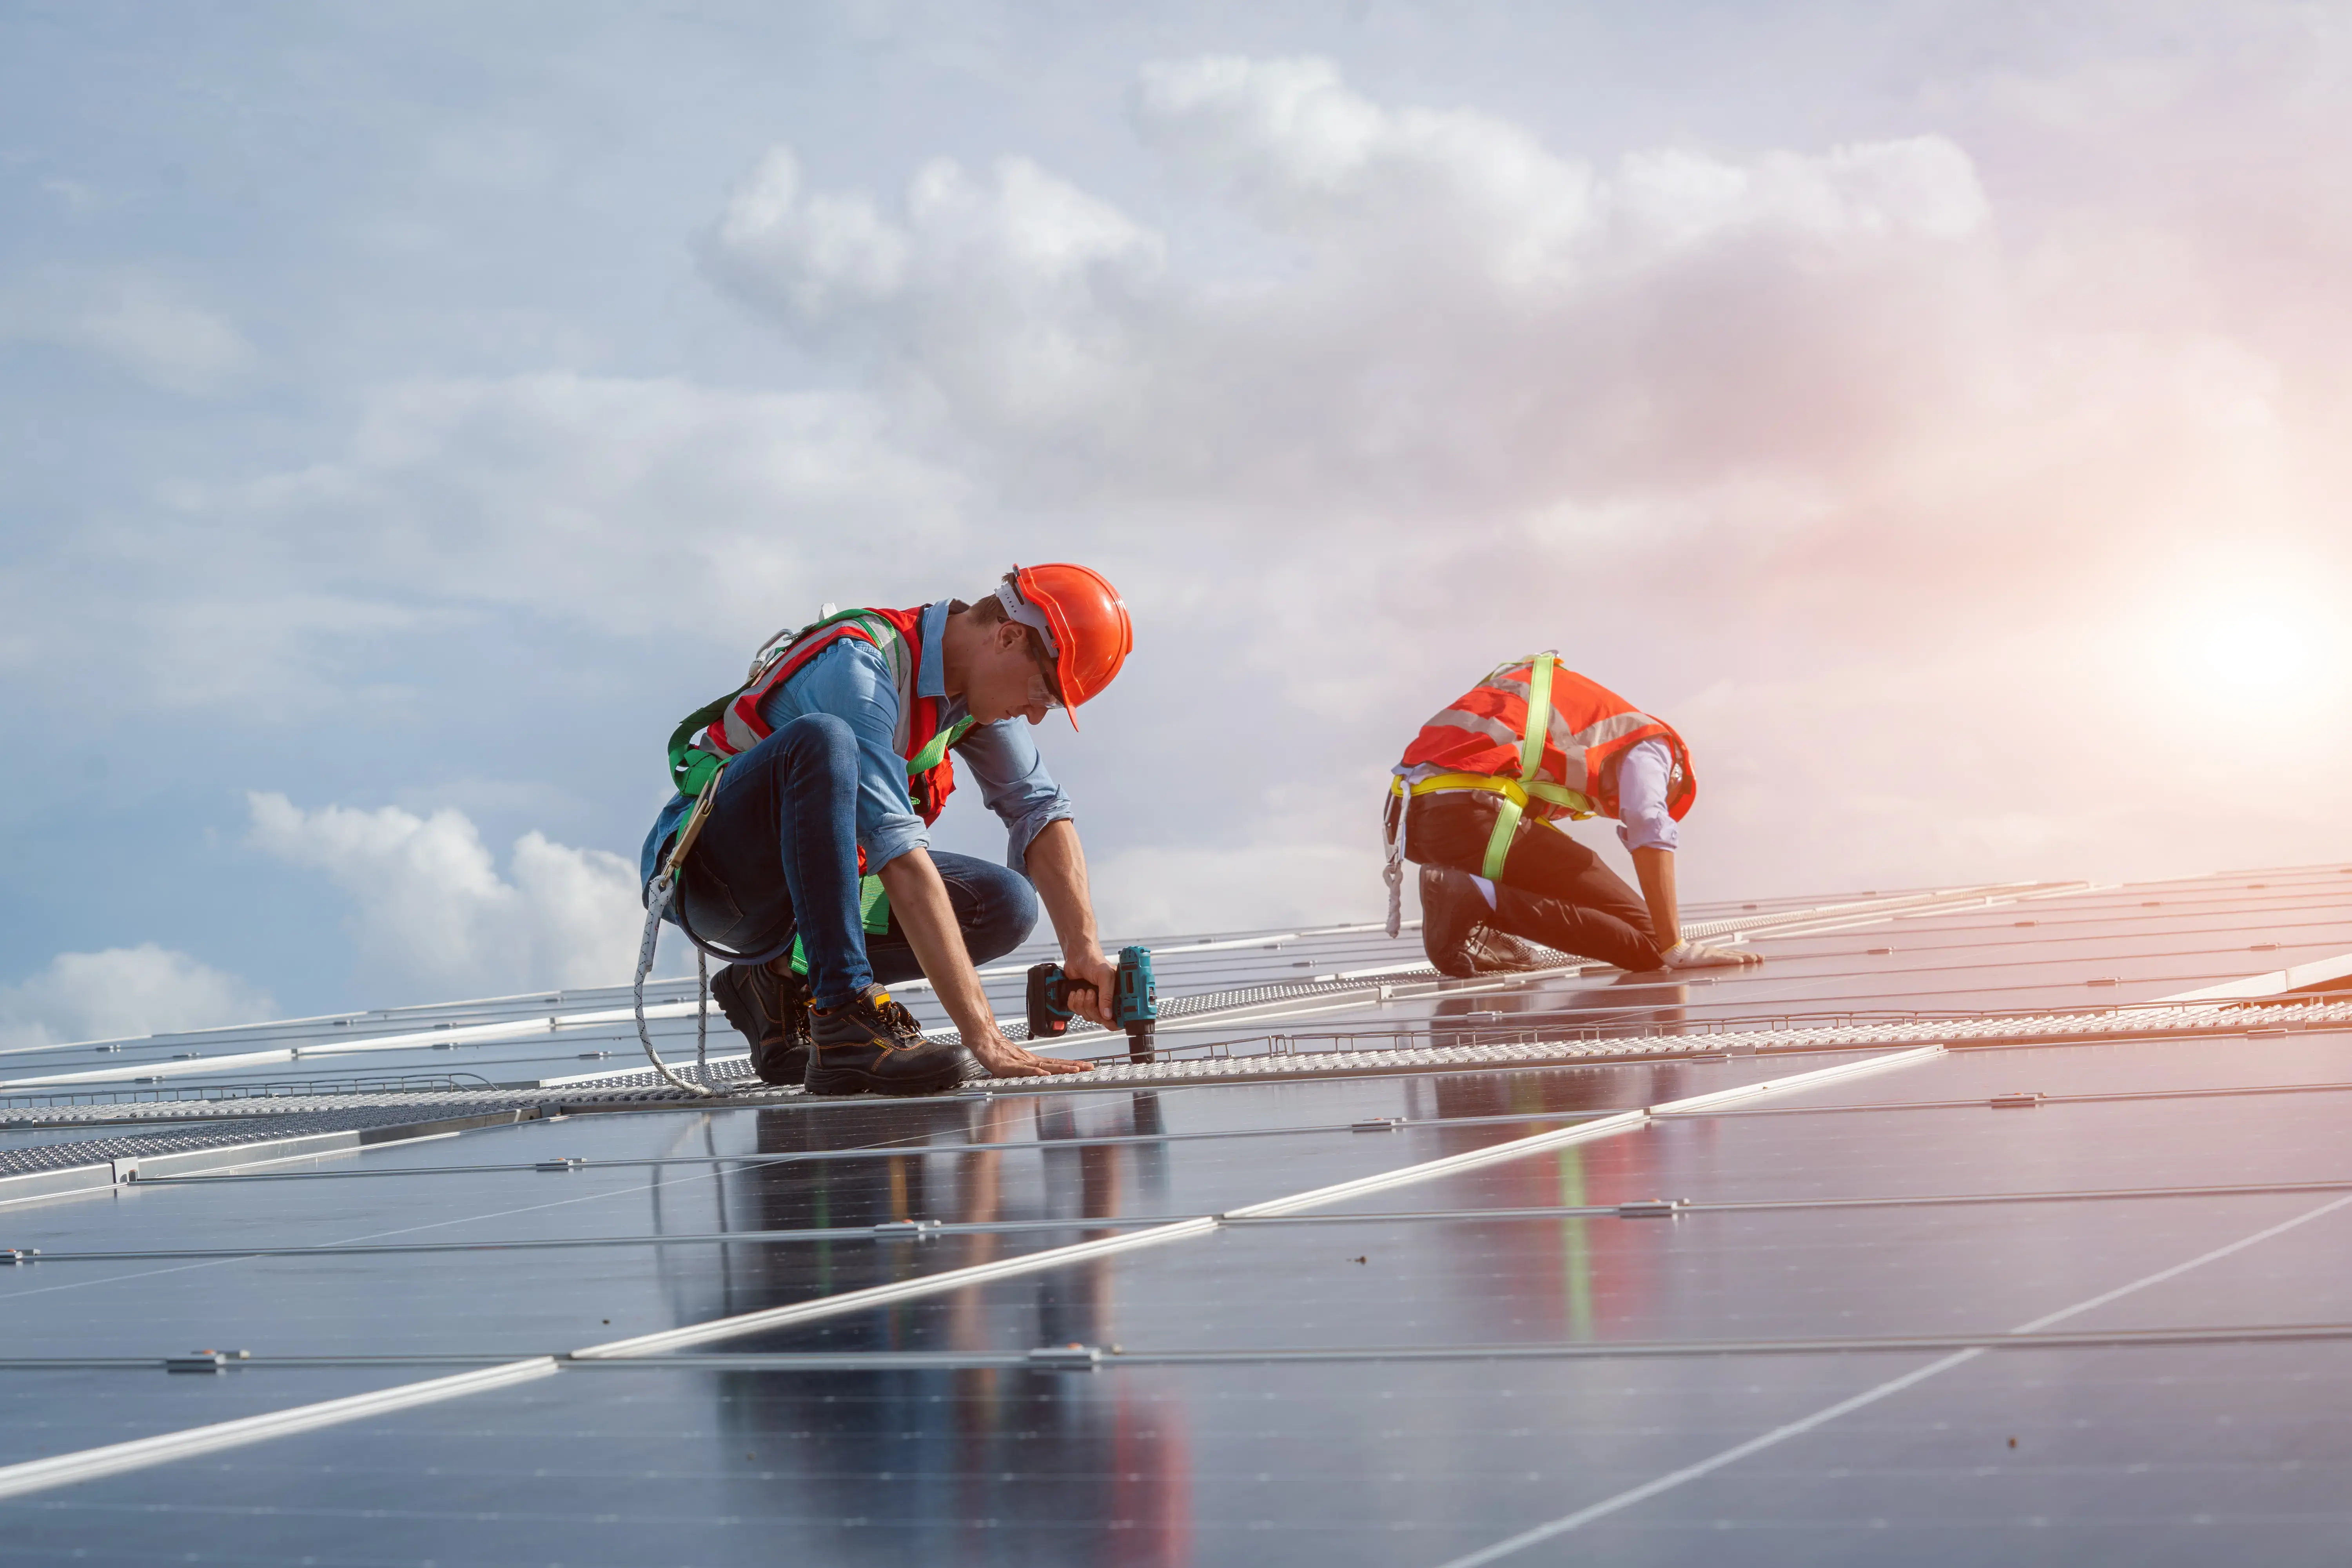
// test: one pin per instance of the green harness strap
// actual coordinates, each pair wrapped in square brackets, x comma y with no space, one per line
[1531,745]
[926,759]
[691,768]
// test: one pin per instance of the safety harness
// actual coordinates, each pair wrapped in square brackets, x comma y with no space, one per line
[700,750]
[1515,792]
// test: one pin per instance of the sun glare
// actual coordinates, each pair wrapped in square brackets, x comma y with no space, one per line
[2259,650]
[2250,648]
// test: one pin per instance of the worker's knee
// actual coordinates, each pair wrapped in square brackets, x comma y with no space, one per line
[820,743]
[996,906]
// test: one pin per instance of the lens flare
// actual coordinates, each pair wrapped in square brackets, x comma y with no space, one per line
[2265,650]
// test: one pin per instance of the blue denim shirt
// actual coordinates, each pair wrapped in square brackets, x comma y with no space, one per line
[850,680]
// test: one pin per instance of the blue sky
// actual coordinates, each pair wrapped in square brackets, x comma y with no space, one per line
[407,412]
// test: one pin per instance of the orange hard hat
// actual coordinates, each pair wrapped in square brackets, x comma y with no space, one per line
[1084,622]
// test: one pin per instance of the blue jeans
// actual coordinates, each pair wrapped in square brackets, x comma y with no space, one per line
[778,858]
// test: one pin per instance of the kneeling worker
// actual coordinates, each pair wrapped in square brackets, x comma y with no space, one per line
[829,763]
[1475,801]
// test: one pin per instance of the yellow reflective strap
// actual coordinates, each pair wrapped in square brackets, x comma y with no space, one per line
[1506,815]
[1568,800]
[1498,844]
[1492,784]
[1553,794]
[1532,733]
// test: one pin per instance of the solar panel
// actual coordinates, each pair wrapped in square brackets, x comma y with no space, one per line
[1979,1220]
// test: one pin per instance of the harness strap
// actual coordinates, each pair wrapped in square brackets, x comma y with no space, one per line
[1531,734]
[1571,801]
[657,899]
[1517,793]
[926,759]
[1531,745]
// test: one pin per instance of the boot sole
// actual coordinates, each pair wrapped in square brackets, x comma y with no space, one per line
[855,1081]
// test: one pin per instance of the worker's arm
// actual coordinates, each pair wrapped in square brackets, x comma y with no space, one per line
[1643,776]
[1043,846]
[1655,867]
[919,900]
[1059,868]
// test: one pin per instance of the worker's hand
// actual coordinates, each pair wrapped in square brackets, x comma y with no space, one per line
[1002,1058]
[1093,986]
[1698,955]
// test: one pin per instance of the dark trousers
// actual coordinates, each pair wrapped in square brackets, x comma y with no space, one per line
[778,858]
[1552,890]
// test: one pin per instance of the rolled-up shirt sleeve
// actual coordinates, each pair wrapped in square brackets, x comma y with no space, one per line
[1643,822]
[850,681]
[1011,773]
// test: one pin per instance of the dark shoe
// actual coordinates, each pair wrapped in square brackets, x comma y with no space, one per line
[873,1046]
[1492,952]
[1456,936]
[772,1011]
[1450,912]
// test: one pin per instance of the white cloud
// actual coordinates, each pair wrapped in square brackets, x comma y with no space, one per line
[432,913]
[141,323]
[123,992]
[1441,316]
[1014,295]
[630,504]
[611,505]
[813,254]
[1306,151]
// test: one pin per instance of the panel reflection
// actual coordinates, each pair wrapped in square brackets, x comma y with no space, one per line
[973,1466]
[985,1187]
[1098,1470]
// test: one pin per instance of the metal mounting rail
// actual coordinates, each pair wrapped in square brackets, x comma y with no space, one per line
[208,1094]
[36,1171]
[1088,1358]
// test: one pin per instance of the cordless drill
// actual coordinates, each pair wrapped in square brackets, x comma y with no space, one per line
[1135,1002]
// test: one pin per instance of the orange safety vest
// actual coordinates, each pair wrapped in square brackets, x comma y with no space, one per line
[1565,767]
[733,725]
[709,738]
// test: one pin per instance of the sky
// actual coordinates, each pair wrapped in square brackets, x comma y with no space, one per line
[1939,412]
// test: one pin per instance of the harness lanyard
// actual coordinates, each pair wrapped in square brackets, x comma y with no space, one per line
[1531,748]
[657,899]
[675,861]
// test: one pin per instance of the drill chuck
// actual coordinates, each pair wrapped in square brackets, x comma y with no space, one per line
[1138,1001]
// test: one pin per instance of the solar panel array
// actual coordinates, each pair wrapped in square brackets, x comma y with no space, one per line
[1991,1221]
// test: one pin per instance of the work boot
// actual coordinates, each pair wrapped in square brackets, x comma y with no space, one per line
[873,1046]
[769,1005]
[1457,937]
